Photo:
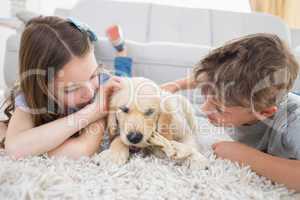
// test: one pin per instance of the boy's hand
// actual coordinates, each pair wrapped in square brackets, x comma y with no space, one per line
[170,87]
[180,84]
[280,170]
[233,151]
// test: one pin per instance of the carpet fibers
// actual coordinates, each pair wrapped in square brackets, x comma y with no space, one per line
[141,178]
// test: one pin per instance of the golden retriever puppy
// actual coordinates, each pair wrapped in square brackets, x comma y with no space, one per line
[142,116]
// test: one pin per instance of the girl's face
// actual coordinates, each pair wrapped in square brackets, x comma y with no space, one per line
[76,83]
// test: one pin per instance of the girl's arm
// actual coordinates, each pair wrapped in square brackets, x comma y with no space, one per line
[277,169]
[23,139]
[86,144]
[180,84]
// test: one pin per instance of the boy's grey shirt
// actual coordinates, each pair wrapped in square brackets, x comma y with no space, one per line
[279,135]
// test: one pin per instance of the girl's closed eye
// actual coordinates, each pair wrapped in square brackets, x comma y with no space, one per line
[71,89]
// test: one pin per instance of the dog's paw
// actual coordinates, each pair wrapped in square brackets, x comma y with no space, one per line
[197,161]
[158,140]
[118,158]
[181,151]
[165,145]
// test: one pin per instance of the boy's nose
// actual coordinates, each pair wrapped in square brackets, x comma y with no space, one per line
[207,109]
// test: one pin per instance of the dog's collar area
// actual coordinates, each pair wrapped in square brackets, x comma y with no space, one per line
[133,149]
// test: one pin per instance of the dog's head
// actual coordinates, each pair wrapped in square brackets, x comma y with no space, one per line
[135,111]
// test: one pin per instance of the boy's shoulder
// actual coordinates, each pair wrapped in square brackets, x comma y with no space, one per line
[279,135]
[291,109]
[286,128]
[288,114]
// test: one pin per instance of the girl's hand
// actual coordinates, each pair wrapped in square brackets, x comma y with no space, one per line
[99,108]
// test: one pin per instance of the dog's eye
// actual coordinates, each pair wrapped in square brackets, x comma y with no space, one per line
[149,112]
[124,109]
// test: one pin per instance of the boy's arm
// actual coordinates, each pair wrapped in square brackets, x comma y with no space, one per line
[180,84]
[280,170]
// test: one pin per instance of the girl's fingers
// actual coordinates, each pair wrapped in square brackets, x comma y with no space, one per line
[114,84]
[116,79]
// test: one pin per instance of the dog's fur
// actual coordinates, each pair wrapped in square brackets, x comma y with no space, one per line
[141,106]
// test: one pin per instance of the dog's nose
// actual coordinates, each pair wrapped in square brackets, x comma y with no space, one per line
[134,137]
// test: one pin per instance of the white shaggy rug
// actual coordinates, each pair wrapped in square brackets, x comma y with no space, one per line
[142,178]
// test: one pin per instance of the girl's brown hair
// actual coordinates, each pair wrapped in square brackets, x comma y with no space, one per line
[47,44]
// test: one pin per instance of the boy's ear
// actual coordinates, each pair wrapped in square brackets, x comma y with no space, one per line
[268,112]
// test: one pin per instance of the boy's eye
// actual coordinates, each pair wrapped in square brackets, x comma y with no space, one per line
[219,110]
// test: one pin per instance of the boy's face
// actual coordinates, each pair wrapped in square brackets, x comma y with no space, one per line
[220,115]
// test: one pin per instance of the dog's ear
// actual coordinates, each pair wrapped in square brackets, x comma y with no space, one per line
[166,117]
[172,120]
[112,123]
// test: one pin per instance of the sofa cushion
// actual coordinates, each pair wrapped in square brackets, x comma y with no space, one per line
[229,25]
[180,25]
[159,61]
[132,16]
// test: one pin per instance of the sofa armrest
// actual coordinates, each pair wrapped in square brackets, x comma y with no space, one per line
[295,38]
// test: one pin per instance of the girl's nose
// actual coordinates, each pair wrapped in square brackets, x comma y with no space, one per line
[88,92]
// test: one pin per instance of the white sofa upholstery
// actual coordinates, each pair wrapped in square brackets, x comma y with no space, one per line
[295,33]
[168,40]
[145,22]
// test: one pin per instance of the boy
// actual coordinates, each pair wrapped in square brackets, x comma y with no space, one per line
[246,85]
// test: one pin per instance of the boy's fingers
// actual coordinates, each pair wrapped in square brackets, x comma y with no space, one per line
[214,146]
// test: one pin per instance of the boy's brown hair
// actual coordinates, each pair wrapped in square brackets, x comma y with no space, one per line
[254,71]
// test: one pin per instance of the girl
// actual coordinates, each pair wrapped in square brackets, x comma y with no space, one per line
[59,107]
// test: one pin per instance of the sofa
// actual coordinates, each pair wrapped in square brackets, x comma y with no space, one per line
[164,41]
